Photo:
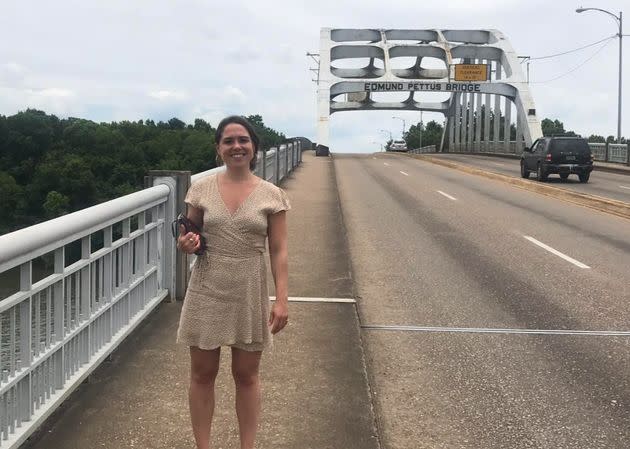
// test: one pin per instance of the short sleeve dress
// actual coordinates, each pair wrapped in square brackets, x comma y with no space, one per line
[227,302]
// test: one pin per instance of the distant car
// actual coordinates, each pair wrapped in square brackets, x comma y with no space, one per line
[398,145]
[563,156]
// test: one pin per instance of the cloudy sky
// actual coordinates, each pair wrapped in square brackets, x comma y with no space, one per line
[138,59]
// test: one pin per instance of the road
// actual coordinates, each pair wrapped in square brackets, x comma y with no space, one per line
[608,185]
[469,264]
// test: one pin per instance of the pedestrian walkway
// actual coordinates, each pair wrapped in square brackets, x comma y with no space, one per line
[315,392]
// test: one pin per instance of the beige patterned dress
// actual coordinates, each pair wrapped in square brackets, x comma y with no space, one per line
[227,303]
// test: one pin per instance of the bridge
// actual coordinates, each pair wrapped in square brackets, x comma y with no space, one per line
[436,301]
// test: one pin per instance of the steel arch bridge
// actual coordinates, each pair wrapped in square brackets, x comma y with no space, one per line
[472,104]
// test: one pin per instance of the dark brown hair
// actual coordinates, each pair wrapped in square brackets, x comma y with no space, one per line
[238,120]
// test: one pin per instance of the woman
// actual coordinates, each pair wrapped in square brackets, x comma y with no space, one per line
[227,303]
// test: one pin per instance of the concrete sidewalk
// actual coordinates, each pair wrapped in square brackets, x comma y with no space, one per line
[315,391]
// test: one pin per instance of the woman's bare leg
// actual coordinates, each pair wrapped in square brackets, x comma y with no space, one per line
[204,366]
[245,371]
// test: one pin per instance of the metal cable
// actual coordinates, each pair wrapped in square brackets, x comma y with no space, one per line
[573,51]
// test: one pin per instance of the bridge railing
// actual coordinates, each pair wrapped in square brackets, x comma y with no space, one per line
[604,152]
[74,287]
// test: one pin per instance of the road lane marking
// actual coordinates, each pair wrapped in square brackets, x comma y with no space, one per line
[577,263]
[385,163]
[307,299]
[625,187]
[406,174]
[446,195]
[499,164]
[485,330]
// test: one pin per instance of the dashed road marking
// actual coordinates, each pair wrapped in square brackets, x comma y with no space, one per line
[625,187]
[406,174]
[577,263]
[447,195]
[385,163]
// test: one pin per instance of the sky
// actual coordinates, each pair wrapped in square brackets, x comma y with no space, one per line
[137,59]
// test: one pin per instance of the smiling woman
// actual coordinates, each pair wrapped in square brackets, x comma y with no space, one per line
[227,303]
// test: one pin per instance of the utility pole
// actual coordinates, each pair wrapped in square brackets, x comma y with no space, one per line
[315,58]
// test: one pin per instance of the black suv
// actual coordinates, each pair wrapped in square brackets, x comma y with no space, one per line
[558,155]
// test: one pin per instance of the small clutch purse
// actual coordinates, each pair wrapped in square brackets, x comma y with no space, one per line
[189,226]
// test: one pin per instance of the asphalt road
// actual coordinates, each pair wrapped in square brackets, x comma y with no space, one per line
[608,185]
[462,261]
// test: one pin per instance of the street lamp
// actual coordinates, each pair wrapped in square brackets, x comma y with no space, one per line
[387,131]
[420,129]
[403,120]
[619,21]
[378,143]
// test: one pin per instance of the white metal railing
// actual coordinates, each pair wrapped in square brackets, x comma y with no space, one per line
[105,269]
[426,149]
[618,152]
[611,152]
[57,329]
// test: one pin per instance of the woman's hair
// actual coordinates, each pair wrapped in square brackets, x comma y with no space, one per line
[238,120]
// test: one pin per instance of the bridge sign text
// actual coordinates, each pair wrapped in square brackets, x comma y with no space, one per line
[390,86]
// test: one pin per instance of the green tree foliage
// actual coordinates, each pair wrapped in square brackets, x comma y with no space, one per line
[421,135]
[596,139]
[56,204]
[268,136]
[51,166]
[554,127]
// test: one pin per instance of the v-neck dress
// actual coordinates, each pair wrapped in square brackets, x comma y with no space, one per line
[227,302]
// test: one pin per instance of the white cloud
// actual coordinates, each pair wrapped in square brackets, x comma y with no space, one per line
[167,95]
[159,59]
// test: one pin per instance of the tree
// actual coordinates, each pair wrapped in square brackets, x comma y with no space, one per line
[50,167]
[202,125]
[554,127]
[431,134]
[56,204]
[176,123]
[596,139]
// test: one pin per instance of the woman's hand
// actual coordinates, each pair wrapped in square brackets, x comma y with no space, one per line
[188,242]
[279,316]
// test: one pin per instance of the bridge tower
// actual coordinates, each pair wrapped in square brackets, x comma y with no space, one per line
[480,73]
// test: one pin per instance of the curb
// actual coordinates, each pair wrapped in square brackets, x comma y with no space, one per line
[613,207]
[610,167]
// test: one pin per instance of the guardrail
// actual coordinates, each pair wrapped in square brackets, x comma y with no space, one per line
[84,281]
[603,152]
[427,149]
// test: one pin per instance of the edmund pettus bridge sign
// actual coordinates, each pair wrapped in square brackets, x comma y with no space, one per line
[475,68]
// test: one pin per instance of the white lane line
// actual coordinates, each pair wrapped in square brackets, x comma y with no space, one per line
[486,330]
[302,299]
[625,187]
[446,195]
[499,164]
[406,174]
[385,163]
[577,263]
[373,157]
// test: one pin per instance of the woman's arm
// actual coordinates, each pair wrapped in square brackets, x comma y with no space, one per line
[278,255]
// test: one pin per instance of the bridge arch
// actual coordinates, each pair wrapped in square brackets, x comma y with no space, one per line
[473,104]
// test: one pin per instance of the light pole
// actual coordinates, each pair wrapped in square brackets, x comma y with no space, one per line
[420,129]
[619,21]
[379,143]
[387,131]
[403,120]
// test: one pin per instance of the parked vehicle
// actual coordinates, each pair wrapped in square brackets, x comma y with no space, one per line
[398,145]
[563,156]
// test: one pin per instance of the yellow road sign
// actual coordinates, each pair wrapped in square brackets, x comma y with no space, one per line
[471,72]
